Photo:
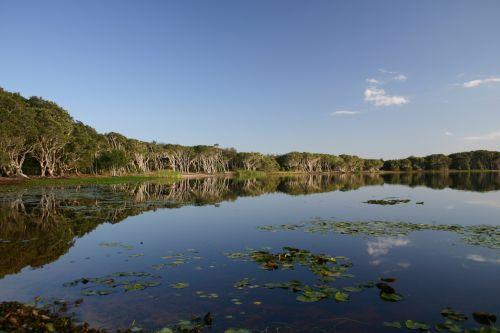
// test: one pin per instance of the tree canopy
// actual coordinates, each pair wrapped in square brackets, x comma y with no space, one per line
[39,137]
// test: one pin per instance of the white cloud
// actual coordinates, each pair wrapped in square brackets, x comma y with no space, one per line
[480,258]
[344,112]
[400,77]
[404,264]
[476,257]
[395,76]
[376,262]
[379,97]
[383,245]
[449,133]
[486,137]
[381,70]
[477,83]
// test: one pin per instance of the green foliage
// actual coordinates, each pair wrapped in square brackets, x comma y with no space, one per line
[39,137]
[437,162]
[474,160]
[111,160]
[372,165]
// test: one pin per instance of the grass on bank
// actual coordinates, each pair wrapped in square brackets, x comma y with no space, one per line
[169,176]
[163,176]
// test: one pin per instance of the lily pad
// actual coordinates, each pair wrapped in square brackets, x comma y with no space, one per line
[389,202]
[394,324]
[453,315]
[416,325]
[341,296]
[393,297]
[479,235]
[179,285]
[484,318]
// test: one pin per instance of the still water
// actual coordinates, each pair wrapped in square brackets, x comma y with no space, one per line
[149,255]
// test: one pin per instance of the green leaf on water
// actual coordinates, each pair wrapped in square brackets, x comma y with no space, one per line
[484,318]
[453,315]
[341,296]
[394,297]
[179,285]
[135,286]
[415,325]
[390,202]
[388,280]
[448,326]
[394,324]
[165,330]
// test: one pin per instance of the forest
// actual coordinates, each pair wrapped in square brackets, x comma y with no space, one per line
[40,138]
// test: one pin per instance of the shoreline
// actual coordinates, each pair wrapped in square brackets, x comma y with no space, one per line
[110,180]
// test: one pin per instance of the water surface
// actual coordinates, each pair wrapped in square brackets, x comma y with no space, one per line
[162,235]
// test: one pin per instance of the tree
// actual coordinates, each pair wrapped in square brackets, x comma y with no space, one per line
[405,165]
[111,160]
[460,161]
[437,162]
[391,165]
[372,165]
[352,163]
[290,161]
[81,149]
[417,163]
[53,129]
[39,136]
[249,161]
[485,160]
[16,133]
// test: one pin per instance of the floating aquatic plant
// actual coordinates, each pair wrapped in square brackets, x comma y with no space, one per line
[203,294]
[116,244]
[387,202]
[245,283]
[179,285]
[480,235]
[325,267]
[453,323]
[484,318]
[112,281]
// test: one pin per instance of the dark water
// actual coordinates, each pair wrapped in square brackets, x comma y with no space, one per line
[54,235]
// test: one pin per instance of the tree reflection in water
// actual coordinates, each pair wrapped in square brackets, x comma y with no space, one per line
[38,225]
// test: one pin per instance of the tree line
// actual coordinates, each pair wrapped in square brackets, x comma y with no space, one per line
[38,137]
[473,160]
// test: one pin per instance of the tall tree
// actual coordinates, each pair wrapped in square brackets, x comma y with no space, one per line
[16,133]
[53,129]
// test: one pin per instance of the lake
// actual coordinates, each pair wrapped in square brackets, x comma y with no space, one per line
[274,254]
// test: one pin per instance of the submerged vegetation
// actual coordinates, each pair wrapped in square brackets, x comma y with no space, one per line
[38,137]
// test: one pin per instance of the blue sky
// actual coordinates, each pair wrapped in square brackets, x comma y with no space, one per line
[373,78]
